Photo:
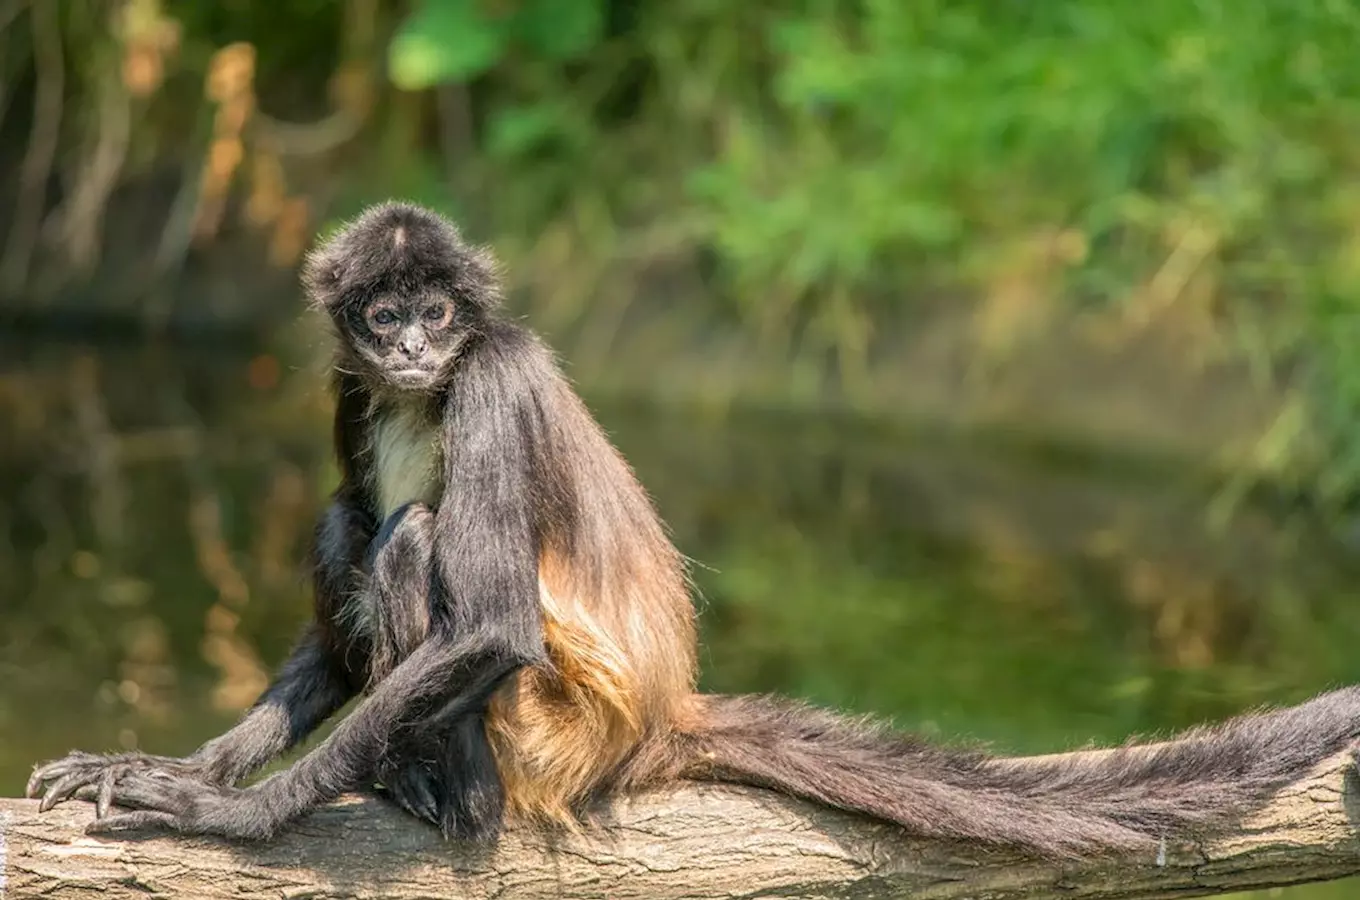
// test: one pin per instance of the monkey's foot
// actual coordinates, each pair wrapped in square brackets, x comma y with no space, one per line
[458,813]
[93,776]
[158,800]
[414,790]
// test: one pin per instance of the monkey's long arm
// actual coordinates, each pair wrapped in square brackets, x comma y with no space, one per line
[307,690]
[440,670]
[485,531]
[305,693]
[310,687]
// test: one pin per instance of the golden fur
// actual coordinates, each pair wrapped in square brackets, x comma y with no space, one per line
[619,628]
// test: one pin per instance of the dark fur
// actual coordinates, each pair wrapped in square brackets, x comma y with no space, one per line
[447,631]
[1204,779]
[495,628]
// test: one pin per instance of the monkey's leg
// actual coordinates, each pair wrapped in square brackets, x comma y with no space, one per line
[455,673]
[400,561]
[304,693]
[401,585]
[445,772]
[340,549]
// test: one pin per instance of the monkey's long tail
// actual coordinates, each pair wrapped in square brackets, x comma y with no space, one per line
[1121,799]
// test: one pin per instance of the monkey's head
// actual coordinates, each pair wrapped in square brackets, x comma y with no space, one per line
[405,293]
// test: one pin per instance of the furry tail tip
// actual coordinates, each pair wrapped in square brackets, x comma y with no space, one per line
[1131,798]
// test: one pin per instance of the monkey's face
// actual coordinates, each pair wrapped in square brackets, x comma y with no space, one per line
[408,342]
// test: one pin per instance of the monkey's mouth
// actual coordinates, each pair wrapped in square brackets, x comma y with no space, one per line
[412,378]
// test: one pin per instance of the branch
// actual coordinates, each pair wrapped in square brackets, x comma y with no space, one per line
[695,842]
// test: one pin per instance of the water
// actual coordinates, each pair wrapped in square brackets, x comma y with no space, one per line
[159,503]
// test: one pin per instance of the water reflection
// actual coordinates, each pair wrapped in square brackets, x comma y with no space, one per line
[160,501]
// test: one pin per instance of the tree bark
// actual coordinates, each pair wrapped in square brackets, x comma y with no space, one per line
[701,841]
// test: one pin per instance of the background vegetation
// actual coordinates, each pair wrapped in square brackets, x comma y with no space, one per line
[810,181]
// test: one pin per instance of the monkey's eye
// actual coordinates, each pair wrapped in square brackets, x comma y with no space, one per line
[438,313]
[382,318]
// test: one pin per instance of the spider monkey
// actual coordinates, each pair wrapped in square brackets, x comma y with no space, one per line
[496,585]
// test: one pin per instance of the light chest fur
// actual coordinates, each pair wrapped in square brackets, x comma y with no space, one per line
[405,465]
[407,458]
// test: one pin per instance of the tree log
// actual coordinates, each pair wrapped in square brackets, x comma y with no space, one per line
[699,841]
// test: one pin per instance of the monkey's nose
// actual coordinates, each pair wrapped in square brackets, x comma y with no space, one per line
[412,347]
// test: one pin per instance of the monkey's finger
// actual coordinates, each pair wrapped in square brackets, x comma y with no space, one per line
[51,771]
[35,783]
[142,820]
[137,791]
[416,799]
[63,789]
[68,764]
[105,797]
[425,800]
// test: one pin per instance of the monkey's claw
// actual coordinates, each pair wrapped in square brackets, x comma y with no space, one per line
[414,791]
[70,776]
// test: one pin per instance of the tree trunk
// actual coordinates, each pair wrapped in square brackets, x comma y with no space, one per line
[696,842]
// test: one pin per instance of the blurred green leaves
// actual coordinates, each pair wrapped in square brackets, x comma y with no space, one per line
[1195,149]
[445,41]
[831,164]
[449,41]
[559,29]
[830,155]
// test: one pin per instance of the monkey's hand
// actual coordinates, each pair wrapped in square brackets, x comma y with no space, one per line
[161,801]
[93,776]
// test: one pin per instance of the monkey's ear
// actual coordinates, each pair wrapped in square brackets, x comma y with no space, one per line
[322,273]
[480,276]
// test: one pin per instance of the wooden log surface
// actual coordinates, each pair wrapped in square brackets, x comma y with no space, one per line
[702,841]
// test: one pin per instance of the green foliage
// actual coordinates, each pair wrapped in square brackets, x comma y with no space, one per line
[861,148]
[833,162]
[559,29]
[445,40]
[938,124]
[458,40]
